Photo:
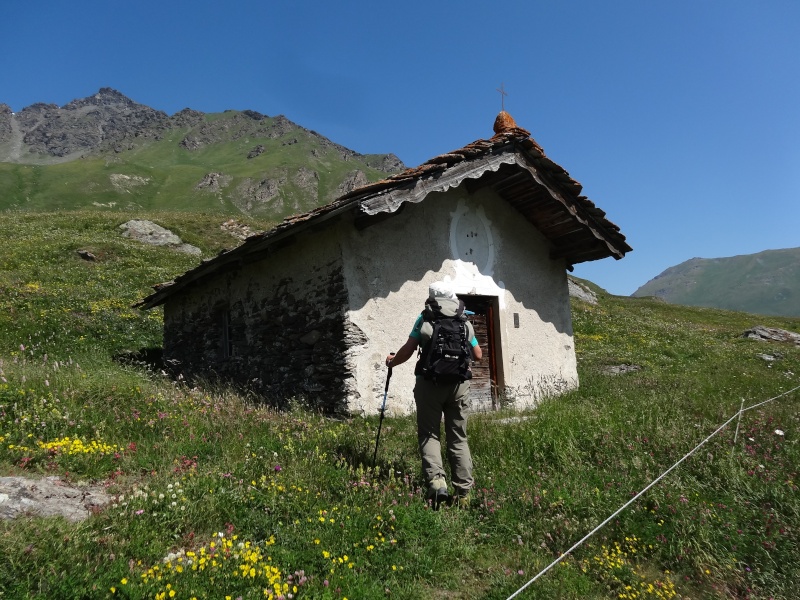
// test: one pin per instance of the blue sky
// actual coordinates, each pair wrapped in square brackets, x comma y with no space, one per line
[681,119]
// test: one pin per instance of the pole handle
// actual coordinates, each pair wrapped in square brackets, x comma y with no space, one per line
[389,375]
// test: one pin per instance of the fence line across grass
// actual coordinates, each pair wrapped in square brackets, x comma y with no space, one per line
[564,555]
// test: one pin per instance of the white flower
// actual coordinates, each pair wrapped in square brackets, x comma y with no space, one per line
[779,432]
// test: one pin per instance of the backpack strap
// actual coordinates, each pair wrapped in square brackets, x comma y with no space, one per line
[460,311]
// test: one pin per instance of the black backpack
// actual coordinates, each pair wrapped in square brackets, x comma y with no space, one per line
[445,358]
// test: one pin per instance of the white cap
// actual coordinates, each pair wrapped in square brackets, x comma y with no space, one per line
[441,290]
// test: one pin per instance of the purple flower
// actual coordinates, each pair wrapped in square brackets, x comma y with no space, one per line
[278,468]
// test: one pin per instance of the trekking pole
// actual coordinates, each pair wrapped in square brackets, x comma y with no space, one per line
[380,422]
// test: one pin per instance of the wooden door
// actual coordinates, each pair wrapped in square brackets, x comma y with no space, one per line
[483,388]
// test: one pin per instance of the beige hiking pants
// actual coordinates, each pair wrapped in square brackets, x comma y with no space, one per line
[452,400]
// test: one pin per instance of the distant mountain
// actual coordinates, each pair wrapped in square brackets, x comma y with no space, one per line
[110,152]
[766,283]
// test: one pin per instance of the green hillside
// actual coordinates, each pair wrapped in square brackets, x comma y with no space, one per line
[765,283]
[202,167]
[214,495]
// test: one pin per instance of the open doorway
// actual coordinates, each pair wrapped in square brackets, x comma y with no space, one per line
[485,374]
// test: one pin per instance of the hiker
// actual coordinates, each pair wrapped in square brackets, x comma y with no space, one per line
[441,391]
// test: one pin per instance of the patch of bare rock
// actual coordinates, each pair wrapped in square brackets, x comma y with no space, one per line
[49,497]
[150,233]
[772,334]
[581,292]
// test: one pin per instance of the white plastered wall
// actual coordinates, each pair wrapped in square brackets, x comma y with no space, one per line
[484,247]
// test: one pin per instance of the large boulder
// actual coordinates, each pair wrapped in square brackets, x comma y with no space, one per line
[581,292]
[49,497]
[150,233]
[761,333]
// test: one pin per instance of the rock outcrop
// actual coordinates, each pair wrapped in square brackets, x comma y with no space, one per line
[580,291]
[772,334]
[105,120]
[5,123]
[150,233]
[49,497]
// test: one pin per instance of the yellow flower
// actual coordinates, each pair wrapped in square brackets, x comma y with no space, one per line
[124,581]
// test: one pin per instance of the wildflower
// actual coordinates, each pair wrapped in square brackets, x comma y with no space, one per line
[779,432]
[278,468]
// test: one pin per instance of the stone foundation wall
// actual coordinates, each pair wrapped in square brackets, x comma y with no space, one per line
[281,337]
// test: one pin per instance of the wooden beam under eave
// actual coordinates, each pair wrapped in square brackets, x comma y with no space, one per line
[570,206]
[583,252]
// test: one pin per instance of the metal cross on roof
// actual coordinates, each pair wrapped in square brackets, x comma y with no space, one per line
[503,94]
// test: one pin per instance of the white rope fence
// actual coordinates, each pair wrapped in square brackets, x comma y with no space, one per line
[650,485]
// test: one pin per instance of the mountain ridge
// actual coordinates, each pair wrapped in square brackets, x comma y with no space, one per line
[766,282]
[108,151]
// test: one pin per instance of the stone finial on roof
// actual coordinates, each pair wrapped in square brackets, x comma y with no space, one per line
[504,123]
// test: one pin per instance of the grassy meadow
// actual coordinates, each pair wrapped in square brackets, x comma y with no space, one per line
[217,496]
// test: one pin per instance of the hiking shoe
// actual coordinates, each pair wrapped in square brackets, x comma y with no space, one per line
[462,501]
[437,492]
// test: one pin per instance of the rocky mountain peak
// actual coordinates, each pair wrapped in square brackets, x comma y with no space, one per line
[106,96]
[103,121]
